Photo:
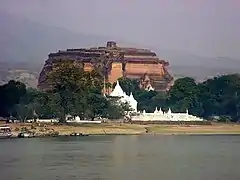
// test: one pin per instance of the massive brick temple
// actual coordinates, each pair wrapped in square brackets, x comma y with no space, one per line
[134,63]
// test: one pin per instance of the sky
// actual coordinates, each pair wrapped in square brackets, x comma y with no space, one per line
[202,27]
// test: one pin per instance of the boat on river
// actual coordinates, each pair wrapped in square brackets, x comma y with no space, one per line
[5,132]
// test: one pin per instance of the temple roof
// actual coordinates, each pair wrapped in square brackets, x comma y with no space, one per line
[134,55]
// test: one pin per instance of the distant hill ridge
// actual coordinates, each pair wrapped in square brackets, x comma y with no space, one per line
[25,45]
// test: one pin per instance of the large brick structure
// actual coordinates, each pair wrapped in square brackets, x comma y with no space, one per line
[133,63]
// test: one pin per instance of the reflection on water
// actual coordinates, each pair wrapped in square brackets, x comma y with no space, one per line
[121,157]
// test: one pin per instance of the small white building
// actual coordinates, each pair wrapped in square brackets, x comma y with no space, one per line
[78,120]
[159,115]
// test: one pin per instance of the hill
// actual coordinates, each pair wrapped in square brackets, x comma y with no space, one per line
[199,67]
[25,45]
[23,40]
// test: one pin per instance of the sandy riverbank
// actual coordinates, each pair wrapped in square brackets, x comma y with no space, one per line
[128,129]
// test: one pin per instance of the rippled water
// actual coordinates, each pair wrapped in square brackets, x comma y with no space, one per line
[121,158]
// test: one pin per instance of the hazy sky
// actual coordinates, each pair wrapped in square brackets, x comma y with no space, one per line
[203,27]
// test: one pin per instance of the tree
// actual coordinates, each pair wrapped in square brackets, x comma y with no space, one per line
[24,112]
[71,84]
[67,76]
[10,94]
[182,88]
[96,105]
[45,105]
[183,95]
[220,96]
[34,104]
[159,100]
[115,110]
[108,86]
[144,99]
[214,97]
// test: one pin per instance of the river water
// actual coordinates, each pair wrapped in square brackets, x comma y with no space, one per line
[145,157]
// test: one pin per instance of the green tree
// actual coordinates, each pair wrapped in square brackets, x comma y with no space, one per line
[10,95]
[144,99]
[80,105]
[184,94]
[115,109]
[69,83]
[34,104]
[220,96]
[24,112]
[45,105]
[184,87]
[159,100]
[96,105]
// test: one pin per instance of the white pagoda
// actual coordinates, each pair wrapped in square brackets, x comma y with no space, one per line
[124,98]
[160,115]
[157,115]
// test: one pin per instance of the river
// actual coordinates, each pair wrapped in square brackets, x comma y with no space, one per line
[146,157]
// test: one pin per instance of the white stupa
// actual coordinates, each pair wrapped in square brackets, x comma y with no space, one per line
[133,102]
[124,98]
[160,111]
[77,119]
[117,91]
[144,112]
[169,111]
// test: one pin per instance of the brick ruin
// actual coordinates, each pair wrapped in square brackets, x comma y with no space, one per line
[133,63]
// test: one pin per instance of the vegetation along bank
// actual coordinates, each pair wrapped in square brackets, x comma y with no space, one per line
[79,93]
